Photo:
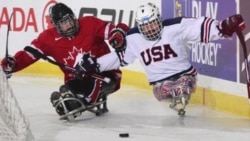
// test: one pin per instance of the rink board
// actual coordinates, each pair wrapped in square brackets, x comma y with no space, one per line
[225,102]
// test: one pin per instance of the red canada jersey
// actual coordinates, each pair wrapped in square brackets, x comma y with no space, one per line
[90,39]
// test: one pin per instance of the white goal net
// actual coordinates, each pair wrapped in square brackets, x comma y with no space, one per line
[14,126]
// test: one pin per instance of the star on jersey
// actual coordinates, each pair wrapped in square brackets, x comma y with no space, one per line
[72,55]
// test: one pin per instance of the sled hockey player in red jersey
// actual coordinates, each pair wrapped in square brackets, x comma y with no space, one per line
[162,47]
[70,43]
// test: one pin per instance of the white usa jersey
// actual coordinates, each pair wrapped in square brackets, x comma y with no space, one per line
[169,55]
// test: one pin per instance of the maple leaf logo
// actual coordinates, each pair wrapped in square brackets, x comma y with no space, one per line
[84,58]
[72,55]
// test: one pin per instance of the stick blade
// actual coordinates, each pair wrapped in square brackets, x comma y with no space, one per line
[248,91]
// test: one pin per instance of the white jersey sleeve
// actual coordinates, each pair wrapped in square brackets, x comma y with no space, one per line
[201,29]
[109,61]
[129,56]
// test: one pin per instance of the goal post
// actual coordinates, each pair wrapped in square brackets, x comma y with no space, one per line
[14,126]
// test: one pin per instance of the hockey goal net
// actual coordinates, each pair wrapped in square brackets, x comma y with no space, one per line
[14,126]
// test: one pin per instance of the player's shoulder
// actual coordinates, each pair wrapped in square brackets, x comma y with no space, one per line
[89,19]
[172,21]
[133,30]
[86,18]
[48,34]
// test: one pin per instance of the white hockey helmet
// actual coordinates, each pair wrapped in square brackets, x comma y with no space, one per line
[149,21]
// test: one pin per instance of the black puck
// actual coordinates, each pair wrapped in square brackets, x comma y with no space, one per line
[124,135]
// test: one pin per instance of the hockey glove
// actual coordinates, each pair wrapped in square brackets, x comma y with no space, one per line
[227,26]
[117,37]
[8,64]
[86,66]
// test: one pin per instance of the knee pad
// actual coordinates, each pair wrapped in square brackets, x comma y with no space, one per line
[68,104]
[67,96]
[55,98]
[64,90]
[110,87]
[65,102]
[185,85]
[71,102]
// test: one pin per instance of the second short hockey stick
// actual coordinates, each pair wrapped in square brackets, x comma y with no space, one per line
[244,48]
[41,55]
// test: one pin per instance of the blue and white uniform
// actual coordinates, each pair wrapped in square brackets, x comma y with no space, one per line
[169,55]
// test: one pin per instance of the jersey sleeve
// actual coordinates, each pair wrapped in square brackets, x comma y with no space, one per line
[108,61]
[24,58]
[101,28]
[43,42]
[201,29]
[129,56]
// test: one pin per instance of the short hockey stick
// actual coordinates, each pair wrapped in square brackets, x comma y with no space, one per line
[244,47]
[41,55]
[7,40]
[8,75]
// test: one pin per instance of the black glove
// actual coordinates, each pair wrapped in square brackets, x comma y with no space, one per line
[227,27]
[8,64]
[117,37]
[86,66]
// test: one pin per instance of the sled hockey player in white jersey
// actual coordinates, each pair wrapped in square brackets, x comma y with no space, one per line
[162,47]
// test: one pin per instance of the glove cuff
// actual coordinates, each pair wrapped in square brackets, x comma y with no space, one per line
[227,26]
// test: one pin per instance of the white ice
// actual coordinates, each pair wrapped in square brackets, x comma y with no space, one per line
[131,110]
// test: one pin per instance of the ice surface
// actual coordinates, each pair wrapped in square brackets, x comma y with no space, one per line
[131,110]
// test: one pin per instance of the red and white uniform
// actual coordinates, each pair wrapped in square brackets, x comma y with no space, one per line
[90,38]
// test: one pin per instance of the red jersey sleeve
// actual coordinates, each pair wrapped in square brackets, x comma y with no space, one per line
[24,59]
[45,41]
[101,28]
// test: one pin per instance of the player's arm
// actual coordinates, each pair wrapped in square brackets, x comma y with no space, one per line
[117,40]
[229,25]
[108,62]
[89,63]
[19,61]
[22,58]
[206,29]
[117,37]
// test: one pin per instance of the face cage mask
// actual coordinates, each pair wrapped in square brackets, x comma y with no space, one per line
[151,34]
[71,31]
